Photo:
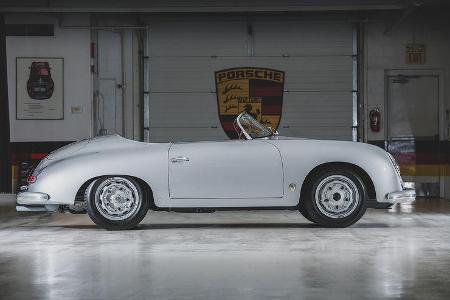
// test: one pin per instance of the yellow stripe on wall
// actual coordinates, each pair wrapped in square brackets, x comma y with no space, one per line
[425,170]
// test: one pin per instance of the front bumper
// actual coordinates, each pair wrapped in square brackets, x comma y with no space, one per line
[34,202]
[408,194]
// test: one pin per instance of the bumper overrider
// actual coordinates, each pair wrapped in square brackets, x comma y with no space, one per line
[408,194]
[34,201]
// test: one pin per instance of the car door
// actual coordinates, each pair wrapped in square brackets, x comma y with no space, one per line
[229,169]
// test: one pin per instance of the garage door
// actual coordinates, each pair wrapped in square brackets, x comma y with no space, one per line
[184,54]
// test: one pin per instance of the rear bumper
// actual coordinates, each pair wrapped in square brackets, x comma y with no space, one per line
[408,194]
[34,202]
[32,198]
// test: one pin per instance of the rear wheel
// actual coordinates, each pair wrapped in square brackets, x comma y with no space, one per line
[335,198]
[116,203]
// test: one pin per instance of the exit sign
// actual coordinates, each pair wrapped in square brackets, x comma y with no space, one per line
[415,54]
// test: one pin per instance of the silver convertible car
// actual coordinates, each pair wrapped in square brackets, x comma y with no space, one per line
[117,180]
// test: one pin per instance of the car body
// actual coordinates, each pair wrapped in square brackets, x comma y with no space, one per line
[255,172]
[40,85]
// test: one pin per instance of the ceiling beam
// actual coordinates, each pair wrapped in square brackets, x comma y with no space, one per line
[168,6]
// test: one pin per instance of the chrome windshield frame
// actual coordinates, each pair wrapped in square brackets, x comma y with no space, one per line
[248,136]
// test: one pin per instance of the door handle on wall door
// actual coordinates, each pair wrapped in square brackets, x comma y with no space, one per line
[179,159]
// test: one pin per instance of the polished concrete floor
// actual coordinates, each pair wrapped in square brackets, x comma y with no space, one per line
[399,253]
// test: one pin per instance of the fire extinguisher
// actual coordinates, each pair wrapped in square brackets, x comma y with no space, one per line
[375,118]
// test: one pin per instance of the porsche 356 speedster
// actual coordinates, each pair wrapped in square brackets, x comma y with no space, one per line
[116,180]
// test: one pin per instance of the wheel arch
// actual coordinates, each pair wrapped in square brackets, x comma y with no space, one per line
[148,192]
[371,192]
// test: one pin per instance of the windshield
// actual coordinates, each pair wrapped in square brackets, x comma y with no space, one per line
[252,128]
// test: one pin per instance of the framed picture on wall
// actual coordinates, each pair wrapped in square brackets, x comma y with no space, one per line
[39,88]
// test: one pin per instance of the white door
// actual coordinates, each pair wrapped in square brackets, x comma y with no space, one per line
[229,169]
[110,83]
[413,129]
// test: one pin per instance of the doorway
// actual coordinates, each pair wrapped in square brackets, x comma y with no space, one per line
[413,129]
[110,95]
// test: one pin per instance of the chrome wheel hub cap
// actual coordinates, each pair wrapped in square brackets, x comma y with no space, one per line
[337,196]
[117,198]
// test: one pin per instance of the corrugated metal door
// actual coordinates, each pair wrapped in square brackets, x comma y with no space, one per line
[316,57]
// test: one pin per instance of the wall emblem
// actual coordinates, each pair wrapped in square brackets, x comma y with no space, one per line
[259,91]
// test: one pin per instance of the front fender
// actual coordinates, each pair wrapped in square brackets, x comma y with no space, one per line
[300,157]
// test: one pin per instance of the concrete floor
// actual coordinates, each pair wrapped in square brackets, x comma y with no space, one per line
[400,253]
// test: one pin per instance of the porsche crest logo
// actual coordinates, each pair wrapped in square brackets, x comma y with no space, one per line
[259,91]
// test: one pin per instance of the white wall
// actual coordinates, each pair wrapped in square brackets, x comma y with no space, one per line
[387,52]
[74,46]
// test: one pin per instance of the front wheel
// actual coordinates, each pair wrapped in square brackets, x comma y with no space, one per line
[336,198]
[116,203]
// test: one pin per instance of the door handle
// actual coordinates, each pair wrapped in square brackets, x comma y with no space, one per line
[179,159]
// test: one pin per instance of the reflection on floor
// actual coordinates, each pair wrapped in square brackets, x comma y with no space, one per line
[402,252]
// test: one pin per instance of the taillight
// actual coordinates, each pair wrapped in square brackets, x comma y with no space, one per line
[31,179]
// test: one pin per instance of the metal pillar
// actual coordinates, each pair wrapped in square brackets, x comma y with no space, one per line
[5,148]
[355,94]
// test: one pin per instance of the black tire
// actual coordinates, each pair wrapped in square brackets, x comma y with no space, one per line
[339,184]
[302,210]
[100,215]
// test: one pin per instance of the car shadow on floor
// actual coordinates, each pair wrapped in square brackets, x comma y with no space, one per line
[224,225]
[162,226]
[191,226]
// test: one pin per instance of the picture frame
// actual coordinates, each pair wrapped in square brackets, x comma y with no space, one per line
[39,88]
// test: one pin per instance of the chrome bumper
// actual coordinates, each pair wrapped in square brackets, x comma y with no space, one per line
[408,194]
[34,202]
[32,198]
